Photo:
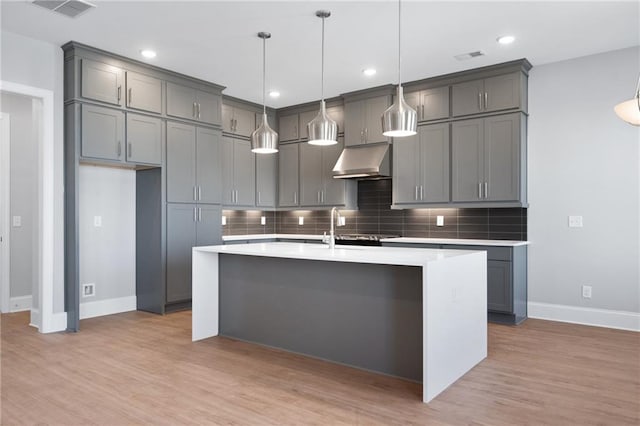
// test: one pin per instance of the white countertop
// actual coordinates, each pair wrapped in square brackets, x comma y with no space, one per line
[406,240]
[356,254]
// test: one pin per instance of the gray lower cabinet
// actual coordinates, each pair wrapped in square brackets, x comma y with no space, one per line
[488,155]
[238,173]
[193,164]
[144,92]
[266,180]
[101,82]
[421,166]
[288,175]
[317,185]
[363,120]
[102,133]
[144,139]
[188,225]
[490,94]
[499,297]
[430,104]
[193,104]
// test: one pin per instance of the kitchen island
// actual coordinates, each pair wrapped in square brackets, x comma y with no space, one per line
[377,308]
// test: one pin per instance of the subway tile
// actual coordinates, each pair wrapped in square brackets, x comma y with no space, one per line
[514,211]
[473,235]
[517,236]
[416,234]
[443,234]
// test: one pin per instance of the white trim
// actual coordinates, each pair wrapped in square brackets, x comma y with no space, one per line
[623,320]
[20,304]
[45,210]
[35,317]
[107,307]
[58,322]
[5,202]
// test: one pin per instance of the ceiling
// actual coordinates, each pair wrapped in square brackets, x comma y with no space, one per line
[216,41]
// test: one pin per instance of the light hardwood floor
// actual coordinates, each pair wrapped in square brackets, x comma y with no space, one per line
[139,368]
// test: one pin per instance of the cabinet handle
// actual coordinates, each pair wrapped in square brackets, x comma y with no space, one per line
[129,147]
[479,189]
[195,197]
[130,89]
[415,196]
[193,110]
[199,193]
[195,215]
[422,115]
[199,214]
[421,193]
[480,101]
[233,194]
[119,91]
[236,196]
[322,197]
[366,134]
[198,110]
[486,190]
[318,197]
[295,131]
[119,149]
[295,197]
[259,197]
[486,100]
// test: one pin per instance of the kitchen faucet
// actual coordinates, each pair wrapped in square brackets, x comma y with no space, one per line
[332,234]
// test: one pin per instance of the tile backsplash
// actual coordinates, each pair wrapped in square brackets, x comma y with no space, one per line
[375,216]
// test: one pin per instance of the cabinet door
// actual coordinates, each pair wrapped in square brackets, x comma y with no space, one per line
[414,101]
[502,92]
[502,157]
[310,175]
[499,286]
[227,118]
[144,139]
[209,107]
[334,189]
[101,82]
[467,162]
[337,114]
[266,171]
[434,155]
[434,103]
[305,118]
[181,237]
[144,92]
[208,168]
[354,123]
[245,122]
[375,107]
[209,226]
[406,169]
[244,173]
[288,128]
[181,101]
[467,98]
[181,167]
[288,176]
[102,133]
[226,157]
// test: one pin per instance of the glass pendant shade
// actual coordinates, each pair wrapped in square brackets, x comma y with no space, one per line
[399,119]
[264,140]
[322,129]
[629,111]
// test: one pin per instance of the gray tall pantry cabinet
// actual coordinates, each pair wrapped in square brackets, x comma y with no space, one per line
[165,126]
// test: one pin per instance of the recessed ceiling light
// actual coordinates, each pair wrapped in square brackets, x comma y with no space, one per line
[274,94]
[147,53]
[507,39]
[369,72]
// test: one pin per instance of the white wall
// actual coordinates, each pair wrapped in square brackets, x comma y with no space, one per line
[40,64]
[23,199]
[584,160]
[108,252]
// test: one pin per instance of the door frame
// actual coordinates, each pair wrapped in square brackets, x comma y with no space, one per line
[42,315]
[5,214]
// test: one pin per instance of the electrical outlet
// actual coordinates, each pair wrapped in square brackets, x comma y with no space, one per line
[97,221]
[17,221]
[300,220]
[575,221]
[263,220]
[224,220]
[586,291]
[88,290]
[342,221]
[439,220]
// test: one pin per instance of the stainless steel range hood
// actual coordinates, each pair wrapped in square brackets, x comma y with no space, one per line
[363,162]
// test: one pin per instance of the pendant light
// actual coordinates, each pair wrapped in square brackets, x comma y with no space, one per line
[322,129]
[264,140]
[629,110]
[399,119]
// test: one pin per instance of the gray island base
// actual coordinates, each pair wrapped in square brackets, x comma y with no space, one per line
[412,313]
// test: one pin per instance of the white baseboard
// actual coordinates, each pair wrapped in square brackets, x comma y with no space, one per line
[58,321]
[20,304]
[35,320]
[107,307]
[622,320]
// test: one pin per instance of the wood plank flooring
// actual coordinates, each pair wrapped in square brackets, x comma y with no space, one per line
[138,368]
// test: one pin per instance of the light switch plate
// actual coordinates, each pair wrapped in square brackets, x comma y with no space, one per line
[17,221]
[575,221]
[439,220]
[97,221]
[342,221]
[301,220]
[263,220]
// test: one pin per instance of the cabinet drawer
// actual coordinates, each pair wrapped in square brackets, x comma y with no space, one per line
[493,253]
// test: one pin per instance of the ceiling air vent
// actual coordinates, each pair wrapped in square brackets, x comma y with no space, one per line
[470,55]
[70,8]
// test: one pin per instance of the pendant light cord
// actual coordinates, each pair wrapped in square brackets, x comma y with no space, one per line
[322,64]
[264,75]
[399,44]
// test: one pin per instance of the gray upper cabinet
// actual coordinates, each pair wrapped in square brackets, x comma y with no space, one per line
[363,120]
[238,173]
[266,178]
[144,92]
[486,158]
[317,185]
[102,133]
[337,114]
[193,104]
[238,121]
[430,104]
[421,166]
[491,94]
[288,175]
[288,127]
[144,139]
[193,164]
[102,82]
[305,118]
